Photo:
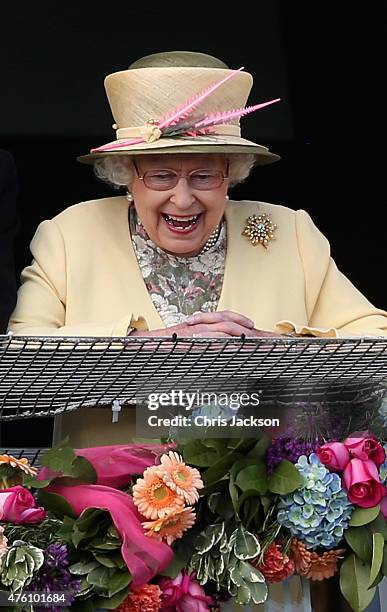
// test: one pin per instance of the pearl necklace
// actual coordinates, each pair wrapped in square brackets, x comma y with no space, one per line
[213,239]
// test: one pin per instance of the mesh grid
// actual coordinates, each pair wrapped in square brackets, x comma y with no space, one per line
[42,376]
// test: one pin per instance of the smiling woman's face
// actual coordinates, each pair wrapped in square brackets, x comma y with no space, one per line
[195,212]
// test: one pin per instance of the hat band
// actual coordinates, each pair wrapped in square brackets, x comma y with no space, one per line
[139,132]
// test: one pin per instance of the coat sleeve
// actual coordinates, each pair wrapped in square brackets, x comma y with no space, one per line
[41,303]
[334,306]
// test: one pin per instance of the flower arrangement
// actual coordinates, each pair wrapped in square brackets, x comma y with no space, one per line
[191,524]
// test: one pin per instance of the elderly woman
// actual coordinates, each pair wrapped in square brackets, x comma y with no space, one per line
[175,254]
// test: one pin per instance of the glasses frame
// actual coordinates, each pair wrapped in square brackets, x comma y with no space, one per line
[178,175]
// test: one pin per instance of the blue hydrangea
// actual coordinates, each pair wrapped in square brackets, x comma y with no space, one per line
[318,513]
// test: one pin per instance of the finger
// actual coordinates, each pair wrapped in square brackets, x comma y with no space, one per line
[223,315]
[260,333]
[226,327]
[212,334]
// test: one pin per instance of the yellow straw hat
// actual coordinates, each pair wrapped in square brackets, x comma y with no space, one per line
[179,102]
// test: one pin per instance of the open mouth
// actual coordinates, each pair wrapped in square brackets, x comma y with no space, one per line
[181,224]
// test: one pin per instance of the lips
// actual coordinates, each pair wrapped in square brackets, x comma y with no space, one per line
[181,224]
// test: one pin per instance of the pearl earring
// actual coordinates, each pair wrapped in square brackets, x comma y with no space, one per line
[129,197]
[227,198]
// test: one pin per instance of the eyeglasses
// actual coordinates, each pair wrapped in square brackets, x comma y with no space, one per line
[162,180]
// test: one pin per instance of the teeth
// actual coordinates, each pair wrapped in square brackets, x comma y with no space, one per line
[193,218]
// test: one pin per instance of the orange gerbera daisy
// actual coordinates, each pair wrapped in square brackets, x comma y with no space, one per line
[180,477]
[153,497]
[23,464]
[312,565]
[171,528]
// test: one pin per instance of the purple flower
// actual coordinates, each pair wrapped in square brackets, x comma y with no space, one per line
[288,448]
[54,576]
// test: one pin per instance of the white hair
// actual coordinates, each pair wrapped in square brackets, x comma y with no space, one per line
[118,170]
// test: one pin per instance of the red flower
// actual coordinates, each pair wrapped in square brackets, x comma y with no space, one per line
[334,455]
[276,566]
[361,479]
[366,448]
[183,594]
[143,599]
[17,505]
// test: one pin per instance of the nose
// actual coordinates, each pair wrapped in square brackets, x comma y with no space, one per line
[181,195]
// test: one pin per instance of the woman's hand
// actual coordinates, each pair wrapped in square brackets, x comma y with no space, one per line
[223,324]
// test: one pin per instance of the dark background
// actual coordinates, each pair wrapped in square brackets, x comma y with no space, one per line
[327,65]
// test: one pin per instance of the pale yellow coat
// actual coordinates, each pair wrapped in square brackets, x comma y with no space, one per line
[85,280]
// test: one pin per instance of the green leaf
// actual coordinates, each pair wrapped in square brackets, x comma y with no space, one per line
[360,540]
[354,581]
[220,468]
[110,603]
[118,581]
[236,576]
[378,579]
[105,560]
[82,568]
[260,448]
[218,485]
[233,490]
[55,503]
[250,573]
[213,500]
[217,444]
[60,458]
[104,545]
[83,470]
[243,595]
[248,495]
[175,567]
[258,592]
[32,482]
[207,538]
[196,453]
[91,517]
[225,506]
[362,516]
[285,478]
[246,544]
[377,556]
[99,577]
[379,525]
[267,503]
[253,478]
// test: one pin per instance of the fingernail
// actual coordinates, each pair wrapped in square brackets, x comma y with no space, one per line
[190,319]
[252,324]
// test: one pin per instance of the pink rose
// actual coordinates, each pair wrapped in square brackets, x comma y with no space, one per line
[183,594]
[334,455]
[366,448]
[361,479]
[17,505]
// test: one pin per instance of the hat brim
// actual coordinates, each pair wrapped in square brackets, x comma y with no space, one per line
[200,144]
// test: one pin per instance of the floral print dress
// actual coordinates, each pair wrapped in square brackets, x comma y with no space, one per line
[179,286]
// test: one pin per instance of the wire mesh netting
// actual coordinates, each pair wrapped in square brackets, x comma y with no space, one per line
[33,455]
[41,376]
